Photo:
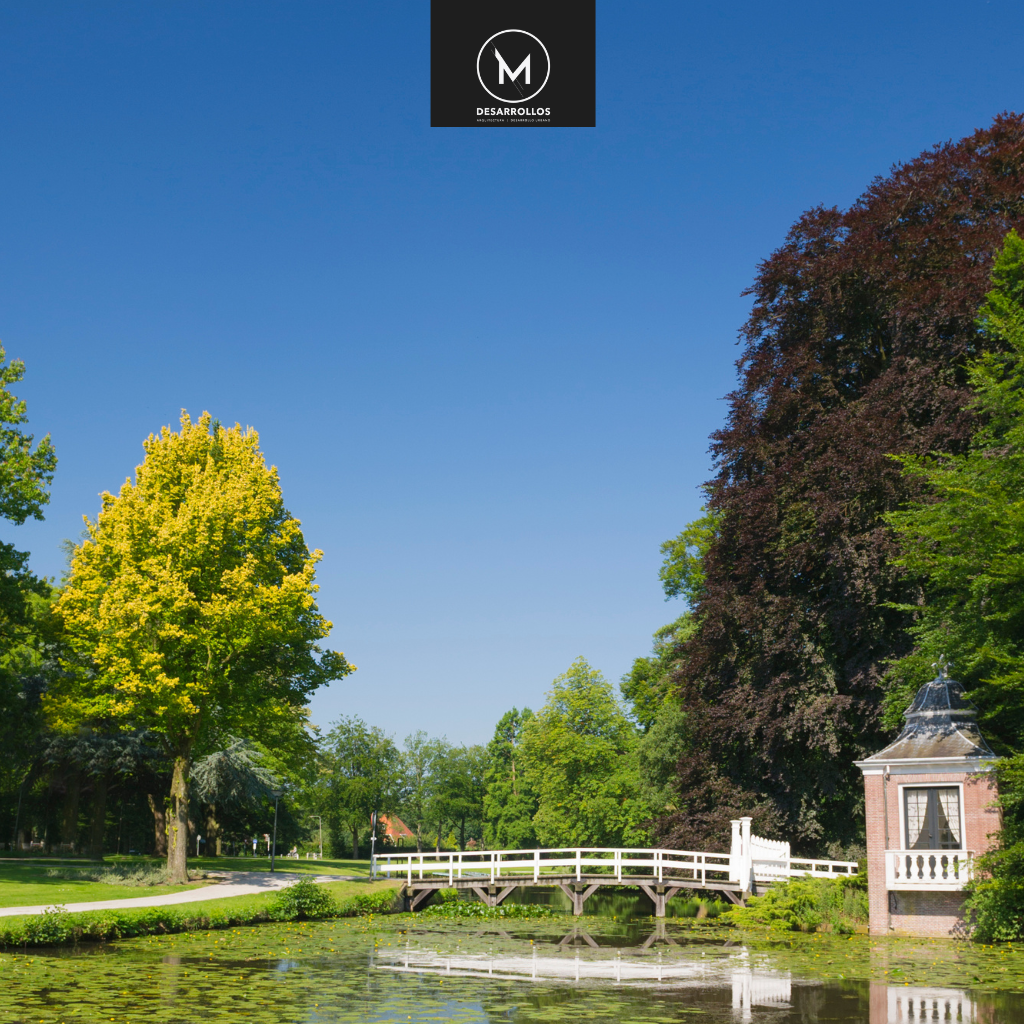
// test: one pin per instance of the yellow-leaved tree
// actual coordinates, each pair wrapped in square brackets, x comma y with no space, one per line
[190,607]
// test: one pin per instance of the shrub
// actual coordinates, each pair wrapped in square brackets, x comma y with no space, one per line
[382,902]
[119,875]
[996,896]
[303,901]
[807,905]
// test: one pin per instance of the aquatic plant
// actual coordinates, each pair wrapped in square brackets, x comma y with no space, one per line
[452,907]
[807,905]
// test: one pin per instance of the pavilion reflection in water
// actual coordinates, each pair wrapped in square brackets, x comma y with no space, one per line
[753,989]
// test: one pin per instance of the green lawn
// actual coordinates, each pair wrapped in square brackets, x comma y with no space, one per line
[27,885]
[241,905]
[298,867]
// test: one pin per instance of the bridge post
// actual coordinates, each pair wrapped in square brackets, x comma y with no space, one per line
[578,898]
[659,895]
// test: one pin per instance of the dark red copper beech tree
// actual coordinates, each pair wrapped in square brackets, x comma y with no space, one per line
[855,349]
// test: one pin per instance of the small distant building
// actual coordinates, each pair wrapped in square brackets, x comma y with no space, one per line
[930,807]
[396,831]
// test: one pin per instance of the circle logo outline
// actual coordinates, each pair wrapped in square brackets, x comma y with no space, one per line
[501,99]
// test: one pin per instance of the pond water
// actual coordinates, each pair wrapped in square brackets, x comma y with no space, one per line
[414,970]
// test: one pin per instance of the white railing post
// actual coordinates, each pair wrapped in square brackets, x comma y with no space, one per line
[735,852]
[579,864]
[747,876]
[618,865]
[536,865]
[451,868]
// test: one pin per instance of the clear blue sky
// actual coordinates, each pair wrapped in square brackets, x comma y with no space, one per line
[485,361]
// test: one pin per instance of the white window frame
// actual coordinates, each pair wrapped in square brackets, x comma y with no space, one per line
[930,785]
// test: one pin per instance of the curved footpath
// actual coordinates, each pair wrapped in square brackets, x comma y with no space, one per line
[237,883]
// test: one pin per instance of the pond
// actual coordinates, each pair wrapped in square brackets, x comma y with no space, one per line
[406,969]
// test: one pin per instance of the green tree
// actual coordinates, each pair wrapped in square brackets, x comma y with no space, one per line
[417,762]
[966,541]
[682,570]
[648,684]
[190,607]
[26,472]
[458,791]
[230,780]
[509,802]
[581,755]
[966,538]
[365,772]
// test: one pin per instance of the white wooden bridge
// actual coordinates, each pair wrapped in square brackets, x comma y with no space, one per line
[580,871]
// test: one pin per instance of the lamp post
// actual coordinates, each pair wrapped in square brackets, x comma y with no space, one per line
[276,794]
[373,846]
[321,821]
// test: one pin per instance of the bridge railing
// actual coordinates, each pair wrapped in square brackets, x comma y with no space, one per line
[797,867]
[491,866]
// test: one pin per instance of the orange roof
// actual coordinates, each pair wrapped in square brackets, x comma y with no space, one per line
[395,828]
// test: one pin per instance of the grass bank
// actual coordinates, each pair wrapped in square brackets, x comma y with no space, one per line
[60,928]
[31,884]
[284,864]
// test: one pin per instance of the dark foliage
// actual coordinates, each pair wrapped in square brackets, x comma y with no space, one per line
[862,325]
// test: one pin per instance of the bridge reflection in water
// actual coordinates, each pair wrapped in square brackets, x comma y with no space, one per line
[752,989]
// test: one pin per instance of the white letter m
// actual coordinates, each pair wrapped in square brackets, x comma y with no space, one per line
[504,69]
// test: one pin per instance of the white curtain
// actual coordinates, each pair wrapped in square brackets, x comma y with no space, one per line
[917,812]
[949,808]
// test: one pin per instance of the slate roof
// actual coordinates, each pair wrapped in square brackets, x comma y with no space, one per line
[940,723]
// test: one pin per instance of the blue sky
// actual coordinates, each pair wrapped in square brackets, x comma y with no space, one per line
[485,361]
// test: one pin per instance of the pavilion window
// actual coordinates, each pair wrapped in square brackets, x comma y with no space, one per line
[932,818]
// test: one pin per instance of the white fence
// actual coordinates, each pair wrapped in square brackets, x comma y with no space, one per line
[750,859]
[928,869]
[533,865]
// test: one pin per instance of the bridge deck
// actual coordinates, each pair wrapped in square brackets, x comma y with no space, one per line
[554,881]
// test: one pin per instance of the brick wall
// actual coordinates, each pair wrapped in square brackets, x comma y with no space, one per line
[935,914]
[921,912]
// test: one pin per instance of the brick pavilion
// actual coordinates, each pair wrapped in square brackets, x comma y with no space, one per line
[930,808]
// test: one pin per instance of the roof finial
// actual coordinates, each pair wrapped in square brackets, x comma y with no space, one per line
[943,665]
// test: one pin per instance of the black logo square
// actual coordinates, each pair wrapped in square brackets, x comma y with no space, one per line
[524,65]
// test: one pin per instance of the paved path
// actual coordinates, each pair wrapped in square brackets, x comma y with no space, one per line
[237,883]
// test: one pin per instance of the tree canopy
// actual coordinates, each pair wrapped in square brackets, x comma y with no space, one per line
[190,606]
[857,347]
[966,537]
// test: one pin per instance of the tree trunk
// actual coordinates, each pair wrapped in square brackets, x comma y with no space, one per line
[99,816]
[212,832]
[462,835]
[69,826]
[159,826]
[355,843]
[177,827]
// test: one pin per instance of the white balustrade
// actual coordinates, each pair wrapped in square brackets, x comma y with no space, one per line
[621,864]
[928,869]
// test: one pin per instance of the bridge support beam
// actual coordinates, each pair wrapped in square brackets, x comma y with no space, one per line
[659,896]
[577,896]
[739,898]
[490,894]
[417,899]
